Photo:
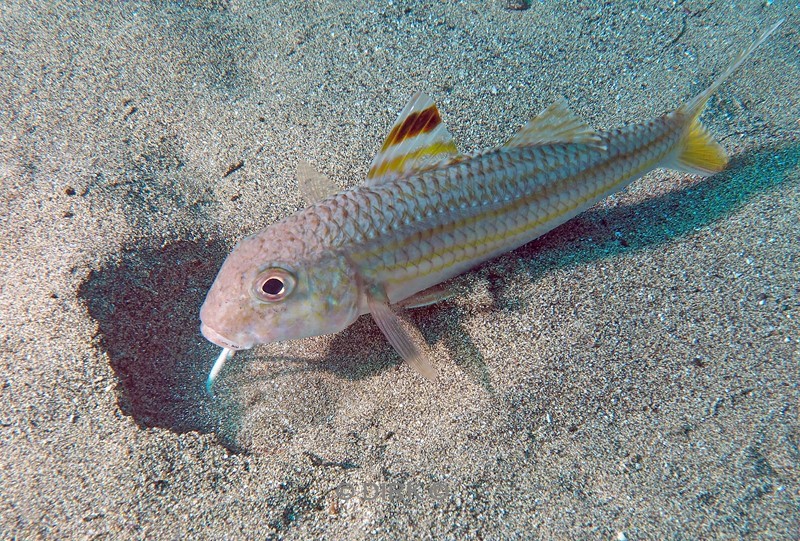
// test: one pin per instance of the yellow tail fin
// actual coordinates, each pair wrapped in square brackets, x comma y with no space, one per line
[698,152]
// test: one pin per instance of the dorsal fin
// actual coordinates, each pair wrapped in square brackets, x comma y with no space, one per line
[314,186]
[556,124]
[417,140]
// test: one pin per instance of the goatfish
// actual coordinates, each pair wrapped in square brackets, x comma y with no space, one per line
[427,213]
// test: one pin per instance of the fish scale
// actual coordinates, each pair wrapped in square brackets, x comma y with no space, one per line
[461,214]
[478,203]
[543,183]
[427,213]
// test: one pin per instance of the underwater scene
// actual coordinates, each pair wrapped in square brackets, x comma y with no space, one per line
[399,270]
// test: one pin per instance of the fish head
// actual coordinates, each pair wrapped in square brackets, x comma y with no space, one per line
[273,286]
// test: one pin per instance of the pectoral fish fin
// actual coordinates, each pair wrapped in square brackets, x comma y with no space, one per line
[314,186]
[426,297]
[417,140]
[401,339]
[556,124]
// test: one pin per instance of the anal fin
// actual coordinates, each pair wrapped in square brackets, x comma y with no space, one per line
[426,297]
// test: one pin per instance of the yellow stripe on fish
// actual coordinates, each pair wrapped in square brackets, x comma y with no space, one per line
[427,213]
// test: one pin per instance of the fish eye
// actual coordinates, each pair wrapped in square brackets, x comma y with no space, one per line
[273,285]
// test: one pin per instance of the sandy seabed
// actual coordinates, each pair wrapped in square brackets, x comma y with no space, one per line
[631,375]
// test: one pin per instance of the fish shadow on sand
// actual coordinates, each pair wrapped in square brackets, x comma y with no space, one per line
[146,303]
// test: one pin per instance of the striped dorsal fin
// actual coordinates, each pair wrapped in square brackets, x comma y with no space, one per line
[556,124]
[418,139]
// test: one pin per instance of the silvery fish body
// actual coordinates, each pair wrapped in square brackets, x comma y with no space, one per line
[427,213]
[417,231]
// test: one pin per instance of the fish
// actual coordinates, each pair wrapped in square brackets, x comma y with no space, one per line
[427,213]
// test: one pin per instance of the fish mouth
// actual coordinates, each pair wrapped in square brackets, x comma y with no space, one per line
[213,336]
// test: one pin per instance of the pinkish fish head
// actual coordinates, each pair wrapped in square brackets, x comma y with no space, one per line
[272,287]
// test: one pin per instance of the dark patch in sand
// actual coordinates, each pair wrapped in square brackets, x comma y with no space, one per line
[147,306]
